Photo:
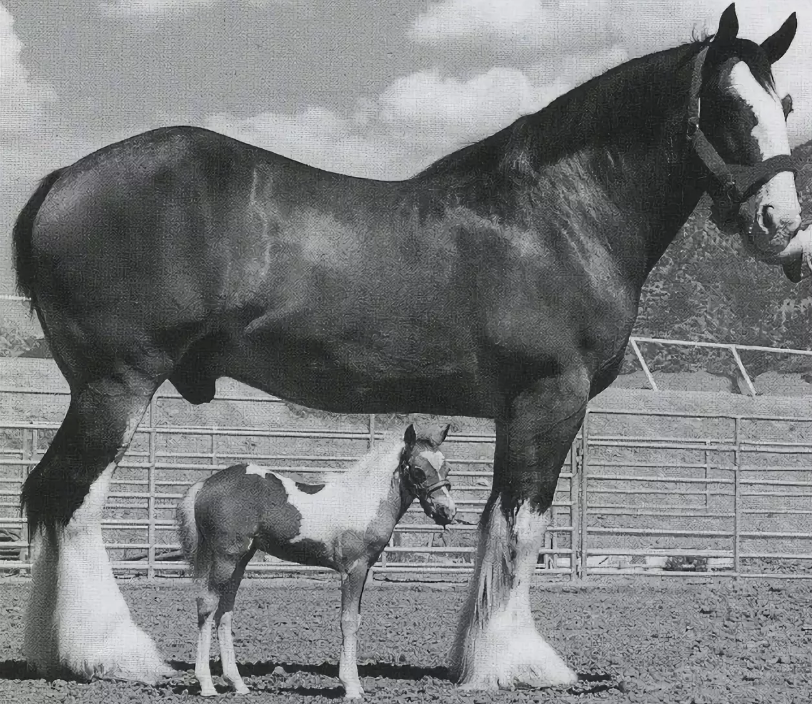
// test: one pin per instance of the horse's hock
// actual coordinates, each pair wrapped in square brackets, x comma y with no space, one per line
[661,488]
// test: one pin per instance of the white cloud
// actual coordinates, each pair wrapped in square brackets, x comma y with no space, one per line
[456,19]
[21,97]
[457,109]
[415,120]
[156,9]
[571,36]
[149,8]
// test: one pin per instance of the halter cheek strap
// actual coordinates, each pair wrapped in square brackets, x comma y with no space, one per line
[737,182]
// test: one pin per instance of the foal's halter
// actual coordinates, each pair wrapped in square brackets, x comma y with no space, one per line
[420,489]
[736,182]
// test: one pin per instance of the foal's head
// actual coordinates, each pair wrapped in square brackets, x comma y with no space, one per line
[425,473]
[743,112]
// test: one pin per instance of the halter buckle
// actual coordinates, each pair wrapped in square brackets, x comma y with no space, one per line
[692,127]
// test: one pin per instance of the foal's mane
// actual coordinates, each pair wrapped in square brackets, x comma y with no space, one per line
[379,463]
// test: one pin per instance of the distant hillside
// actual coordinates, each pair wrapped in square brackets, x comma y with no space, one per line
[706,288]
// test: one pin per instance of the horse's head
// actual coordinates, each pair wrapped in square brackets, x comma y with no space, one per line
[738,130]
[425,472]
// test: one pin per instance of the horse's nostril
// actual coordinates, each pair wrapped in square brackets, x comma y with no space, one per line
[767,216]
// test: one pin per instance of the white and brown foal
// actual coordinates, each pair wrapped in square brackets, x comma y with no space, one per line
[344,524]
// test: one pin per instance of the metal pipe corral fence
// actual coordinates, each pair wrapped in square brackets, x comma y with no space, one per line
[644,491]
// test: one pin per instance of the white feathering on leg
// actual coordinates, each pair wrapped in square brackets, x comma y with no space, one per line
[77,619]
[497,644]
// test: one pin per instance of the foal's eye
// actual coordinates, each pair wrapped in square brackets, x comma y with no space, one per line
[786,104]
[418,475]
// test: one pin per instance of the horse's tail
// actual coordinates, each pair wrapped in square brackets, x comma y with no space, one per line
[21,238]
[191,538]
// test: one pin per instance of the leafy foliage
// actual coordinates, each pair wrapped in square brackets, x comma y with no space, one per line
[707,288]
[17,341]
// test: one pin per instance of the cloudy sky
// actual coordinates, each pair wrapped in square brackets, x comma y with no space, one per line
[376,88]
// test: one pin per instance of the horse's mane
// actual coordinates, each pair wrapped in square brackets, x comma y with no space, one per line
[630,100]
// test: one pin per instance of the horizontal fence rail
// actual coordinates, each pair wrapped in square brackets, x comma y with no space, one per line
[645,492]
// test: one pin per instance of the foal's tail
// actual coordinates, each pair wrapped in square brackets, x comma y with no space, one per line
[190,535]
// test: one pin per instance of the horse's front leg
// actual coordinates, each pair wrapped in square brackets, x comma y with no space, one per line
[352,588]
[497,645]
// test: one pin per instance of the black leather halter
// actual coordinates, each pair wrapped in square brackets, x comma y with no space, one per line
[421,489]
[736,182]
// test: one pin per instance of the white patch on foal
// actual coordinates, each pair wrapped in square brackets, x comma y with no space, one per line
[259,471]
[349,503]
[770,132]
[77,617]
[497,644]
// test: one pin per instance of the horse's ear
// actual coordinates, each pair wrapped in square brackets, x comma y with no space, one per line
[410,437]
[440,435]
[728,26]
[776,45]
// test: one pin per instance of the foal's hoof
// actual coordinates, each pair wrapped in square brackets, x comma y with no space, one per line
[241,689]
[353,693]
[208,692]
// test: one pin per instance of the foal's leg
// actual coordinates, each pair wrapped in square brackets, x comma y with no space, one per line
[223,619]
[206,604]
[497,644]
[352,588]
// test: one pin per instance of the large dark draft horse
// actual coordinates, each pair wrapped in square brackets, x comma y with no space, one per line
[501,282]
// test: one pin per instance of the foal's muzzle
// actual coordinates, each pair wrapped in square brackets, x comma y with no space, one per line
[438,504]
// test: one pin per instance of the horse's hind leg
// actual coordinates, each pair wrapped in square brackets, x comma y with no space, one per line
[223,620]
[352,588]
[77,620]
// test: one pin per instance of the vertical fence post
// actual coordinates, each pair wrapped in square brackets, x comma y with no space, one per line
[737,497]
[383,559]
[151,537]
[574,512]
[707,474]
[584,508]
[28,452]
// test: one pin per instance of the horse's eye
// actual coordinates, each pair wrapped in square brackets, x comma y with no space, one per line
[786,104]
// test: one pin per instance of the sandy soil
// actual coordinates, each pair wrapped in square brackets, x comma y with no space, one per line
[631,641]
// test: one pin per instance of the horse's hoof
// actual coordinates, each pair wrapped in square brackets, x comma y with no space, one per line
[208,692]
[241,689]
[354,693]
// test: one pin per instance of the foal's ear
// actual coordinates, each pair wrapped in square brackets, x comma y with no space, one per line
[776,45]
[440,435]
[728,26]
[410,437]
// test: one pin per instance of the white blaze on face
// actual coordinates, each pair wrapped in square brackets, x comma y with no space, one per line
[770,133]
[434,457]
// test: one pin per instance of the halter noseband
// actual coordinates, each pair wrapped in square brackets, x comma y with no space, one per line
[737,182]
[429,490]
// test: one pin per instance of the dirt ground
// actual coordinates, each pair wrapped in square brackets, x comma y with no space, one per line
[630,641]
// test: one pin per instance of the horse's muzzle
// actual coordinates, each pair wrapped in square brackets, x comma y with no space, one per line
[796,257]
[442,512]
